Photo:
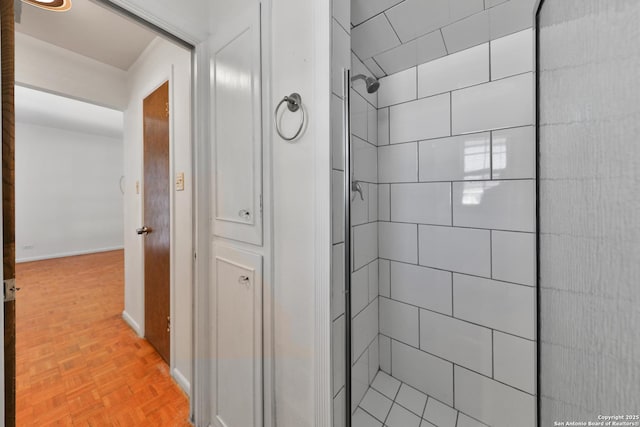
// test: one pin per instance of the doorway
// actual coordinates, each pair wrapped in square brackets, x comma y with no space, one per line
[80,74]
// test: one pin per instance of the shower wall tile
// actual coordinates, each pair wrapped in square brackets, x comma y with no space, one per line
[360,207]
[383,126]
[384,278]
[499,406]
[458,158]
[398,242]
[365,244]
[384,202]
[398,163]
[422,119]
[503,306]
[461,250]
[515,361]
[467,68]
[421,286]
[384,347]
[398,88]
[499,104]
[460,342]
[513,257]
[359,126]
[424,203]
[365,9]
[337,354]
[373,37]
[372,124]
[359,290]
[337,280]
[359,379]
[374,358]
[422,371]
[365,161]
[374,68]
[399,321]
[373,201]
[467,32]
[514,153]
[365,329]
[510,17]
[512,54]
[502,205]
[418,51]
[374,287]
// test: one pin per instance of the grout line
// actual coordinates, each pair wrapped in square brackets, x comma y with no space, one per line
[493,363]
[446,49]
[462,227]
[393,28]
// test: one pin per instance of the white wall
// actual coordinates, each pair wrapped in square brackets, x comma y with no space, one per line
[68,198]
[161,61]
[51,68]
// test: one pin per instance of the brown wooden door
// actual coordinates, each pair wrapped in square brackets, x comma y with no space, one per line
[156,219]
[8,206]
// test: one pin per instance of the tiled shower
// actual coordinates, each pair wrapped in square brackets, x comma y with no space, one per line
[443,298]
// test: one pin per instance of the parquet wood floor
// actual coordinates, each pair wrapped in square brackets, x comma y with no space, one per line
[78,363]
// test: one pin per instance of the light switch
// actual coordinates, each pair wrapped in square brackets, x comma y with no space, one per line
[180,181]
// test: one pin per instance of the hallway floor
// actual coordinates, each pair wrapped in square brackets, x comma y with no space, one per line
[78,362]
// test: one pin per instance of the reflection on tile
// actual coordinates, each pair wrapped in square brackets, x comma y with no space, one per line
[458,158]
[373,37]
[514,153]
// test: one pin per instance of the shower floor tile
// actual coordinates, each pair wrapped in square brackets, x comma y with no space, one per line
[391,403]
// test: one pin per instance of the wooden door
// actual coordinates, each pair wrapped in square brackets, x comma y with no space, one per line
[8,208]
[156,219]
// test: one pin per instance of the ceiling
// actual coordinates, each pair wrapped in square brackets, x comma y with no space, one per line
[45,109]
[89,30]
[393,35]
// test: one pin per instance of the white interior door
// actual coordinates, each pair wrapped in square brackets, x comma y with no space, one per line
[237,131]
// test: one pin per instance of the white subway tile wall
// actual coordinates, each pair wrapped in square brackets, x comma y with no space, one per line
[443,242]
[456,230]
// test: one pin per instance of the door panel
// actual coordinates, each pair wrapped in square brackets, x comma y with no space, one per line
[156,218]
[237,132]
[238,349]
[8,206]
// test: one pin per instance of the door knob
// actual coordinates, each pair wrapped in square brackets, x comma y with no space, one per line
[144,230]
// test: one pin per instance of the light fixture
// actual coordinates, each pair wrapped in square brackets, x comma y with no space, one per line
[53,5]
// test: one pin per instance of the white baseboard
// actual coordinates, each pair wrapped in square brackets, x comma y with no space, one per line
[132,323]
[68,254]
[182,381]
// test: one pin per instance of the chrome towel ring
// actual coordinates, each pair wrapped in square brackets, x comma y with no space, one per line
[294,103]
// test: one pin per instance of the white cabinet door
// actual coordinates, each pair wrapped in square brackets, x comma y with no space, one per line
[237,338]
[237,130]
